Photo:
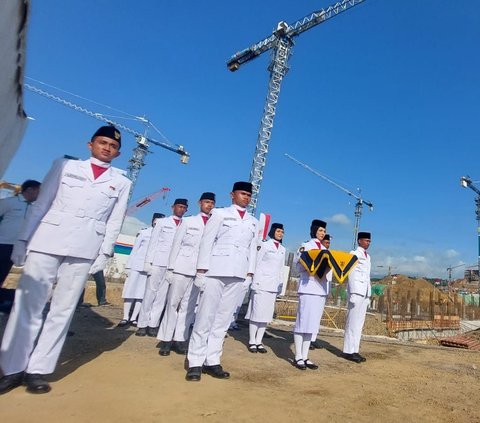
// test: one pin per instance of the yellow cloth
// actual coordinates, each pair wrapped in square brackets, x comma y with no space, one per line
[316,263]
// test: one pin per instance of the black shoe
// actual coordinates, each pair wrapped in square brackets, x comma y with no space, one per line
[352,357]
[36,384]
[181,347]
[300,364]
[165,347]
[141,332]
[310,364]
[152,332]
[194,374]
[362,359]
[216,371]
[123,323]
[9,382]
[104,304]
[261,349]
[252,348]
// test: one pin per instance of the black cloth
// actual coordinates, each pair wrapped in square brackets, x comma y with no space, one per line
[5,262]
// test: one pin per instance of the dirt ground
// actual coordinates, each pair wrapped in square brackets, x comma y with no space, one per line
[106,374]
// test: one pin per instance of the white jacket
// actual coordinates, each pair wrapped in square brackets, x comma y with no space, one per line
[136,259]
[269,268]
[311,284]
[161,241]
[186,244]
[229,244]
[13,211]
[76,215]
[359,277]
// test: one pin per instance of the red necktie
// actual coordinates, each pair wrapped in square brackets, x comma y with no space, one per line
[241,213]
[319,245]
[205,218]
[276,243]
[177,221]
[98,170]
[366,255]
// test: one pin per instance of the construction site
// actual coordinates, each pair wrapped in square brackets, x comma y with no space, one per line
[362,103]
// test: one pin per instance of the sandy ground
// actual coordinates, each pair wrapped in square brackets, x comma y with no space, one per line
[106,374]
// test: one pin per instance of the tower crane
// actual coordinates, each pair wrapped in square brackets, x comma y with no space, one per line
[281,43]
[466,182]
[137,161]
[449,270]
[358,205]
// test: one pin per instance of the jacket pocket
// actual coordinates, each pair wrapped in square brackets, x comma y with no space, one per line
[52,218]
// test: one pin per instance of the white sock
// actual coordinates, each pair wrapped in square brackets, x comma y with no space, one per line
[262,327]
[136,310]
[306,346]
[298,342]
[127,305]
[252,330]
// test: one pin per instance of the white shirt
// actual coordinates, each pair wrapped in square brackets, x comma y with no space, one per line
[13,211]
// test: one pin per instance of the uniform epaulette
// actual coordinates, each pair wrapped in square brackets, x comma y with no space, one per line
[66,156]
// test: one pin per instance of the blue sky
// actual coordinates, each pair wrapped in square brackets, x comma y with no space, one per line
[383,97]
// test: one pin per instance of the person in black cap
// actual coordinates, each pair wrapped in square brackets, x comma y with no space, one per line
[226,258]
[358,295]
[182,267]
[266,285]
[69,231]
[156,261]
[312,295]
[134,287]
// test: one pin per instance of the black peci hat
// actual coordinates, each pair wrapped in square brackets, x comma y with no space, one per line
[207,196]
[315,225]
[364,235]
[182,201]
[242,186]
[326,237]
[109,132]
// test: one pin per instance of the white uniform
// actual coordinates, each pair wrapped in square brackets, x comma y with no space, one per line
[267,281]
[156,288]
[312,294]
[74,219]
[358,294]
[227,251]
[182,295]
[13,211]
[135,284]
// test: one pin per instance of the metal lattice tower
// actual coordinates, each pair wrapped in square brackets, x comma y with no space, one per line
[281,43]
[466,182]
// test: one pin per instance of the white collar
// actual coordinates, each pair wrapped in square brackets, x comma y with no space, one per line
[99,163]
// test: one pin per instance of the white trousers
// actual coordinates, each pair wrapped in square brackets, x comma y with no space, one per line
[214,315]
[357,310]
[180,309]
[41,271]
[154,299]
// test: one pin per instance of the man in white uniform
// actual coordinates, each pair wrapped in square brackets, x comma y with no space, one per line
[182,267]
[13,211]
[74,223]
[358,294]
[267,283]
[226,258]
[156,262]
[134,287]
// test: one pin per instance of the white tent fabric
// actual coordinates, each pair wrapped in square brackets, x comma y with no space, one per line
[13,31]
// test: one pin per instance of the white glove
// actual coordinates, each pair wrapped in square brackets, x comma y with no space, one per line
[19,253]
[147,268]
[169,276]
[99,264]
[200,281]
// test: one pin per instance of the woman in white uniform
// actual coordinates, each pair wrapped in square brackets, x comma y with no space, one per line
[267,283]
[312,294]
[134,287]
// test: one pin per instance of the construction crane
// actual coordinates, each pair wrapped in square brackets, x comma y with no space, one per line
[358,205]
[466,182]
[138,204]
[137,160]
[449,270]
[281,43]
